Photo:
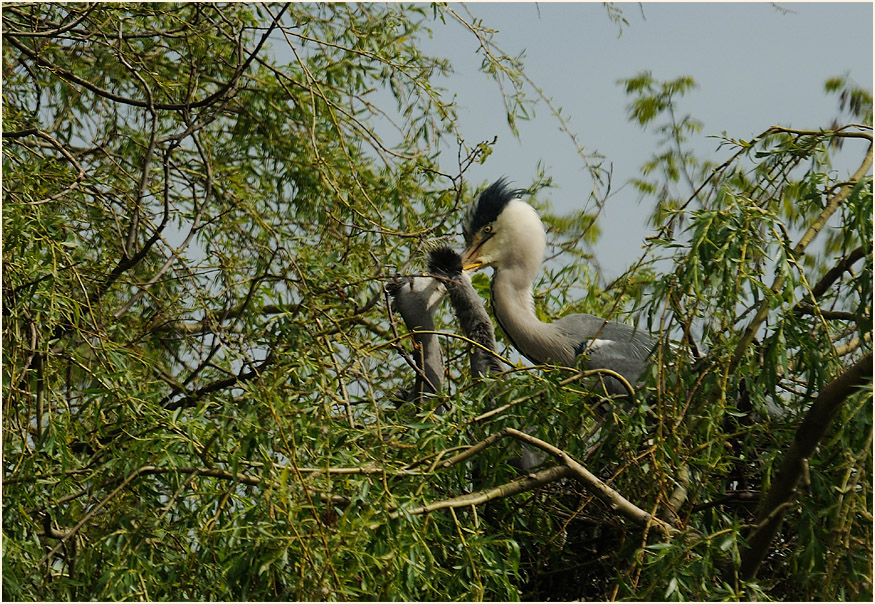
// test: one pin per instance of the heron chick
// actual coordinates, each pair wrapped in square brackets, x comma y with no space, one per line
[504,232]
[416,299]
[446,264]
[476,325]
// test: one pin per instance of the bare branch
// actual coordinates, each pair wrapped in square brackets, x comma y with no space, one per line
[614,500]
[515,487]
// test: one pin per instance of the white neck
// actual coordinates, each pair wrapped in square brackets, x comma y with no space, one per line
[514,307]
[521,241]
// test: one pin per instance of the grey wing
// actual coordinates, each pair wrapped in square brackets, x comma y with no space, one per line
[609,345]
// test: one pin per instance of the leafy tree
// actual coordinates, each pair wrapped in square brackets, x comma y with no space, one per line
[201,366]
[770,292]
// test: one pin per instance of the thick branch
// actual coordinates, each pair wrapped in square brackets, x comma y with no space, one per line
[679,496]
[805,308]
[808,435]
[833,274]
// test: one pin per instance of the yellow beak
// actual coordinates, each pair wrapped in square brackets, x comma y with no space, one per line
[471,256]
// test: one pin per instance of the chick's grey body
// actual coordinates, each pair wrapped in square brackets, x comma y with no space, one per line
[416,299]
[504,232]
[468,308]
[476,325]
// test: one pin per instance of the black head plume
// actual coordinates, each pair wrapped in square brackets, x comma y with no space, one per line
[444,262]
[488,205]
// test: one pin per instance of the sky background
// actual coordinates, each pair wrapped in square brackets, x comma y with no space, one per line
[756,65]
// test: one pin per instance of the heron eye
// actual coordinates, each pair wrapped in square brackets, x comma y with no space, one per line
[487,229]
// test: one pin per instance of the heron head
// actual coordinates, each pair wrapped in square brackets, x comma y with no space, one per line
[502,231]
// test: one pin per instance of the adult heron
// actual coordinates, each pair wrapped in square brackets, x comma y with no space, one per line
[504,232]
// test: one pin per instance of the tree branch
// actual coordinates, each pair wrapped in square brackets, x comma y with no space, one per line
[51,33]
[191,398]
[805,308]
[808,435]
[832,205]
[515,487]
[840,133]
[613,499]
[80,176]
[833,274]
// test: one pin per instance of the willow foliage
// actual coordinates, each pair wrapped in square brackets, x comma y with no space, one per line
[202,205]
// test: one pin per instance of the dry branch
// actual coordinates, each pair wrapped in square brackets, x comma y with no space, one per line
[515,487]
[614,500]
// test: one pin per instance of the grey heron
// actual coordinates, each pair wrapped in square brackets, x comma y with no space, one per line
[504,232]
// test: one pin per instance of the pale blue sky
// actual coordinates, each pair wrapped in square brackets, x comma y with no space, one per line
[755,66]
